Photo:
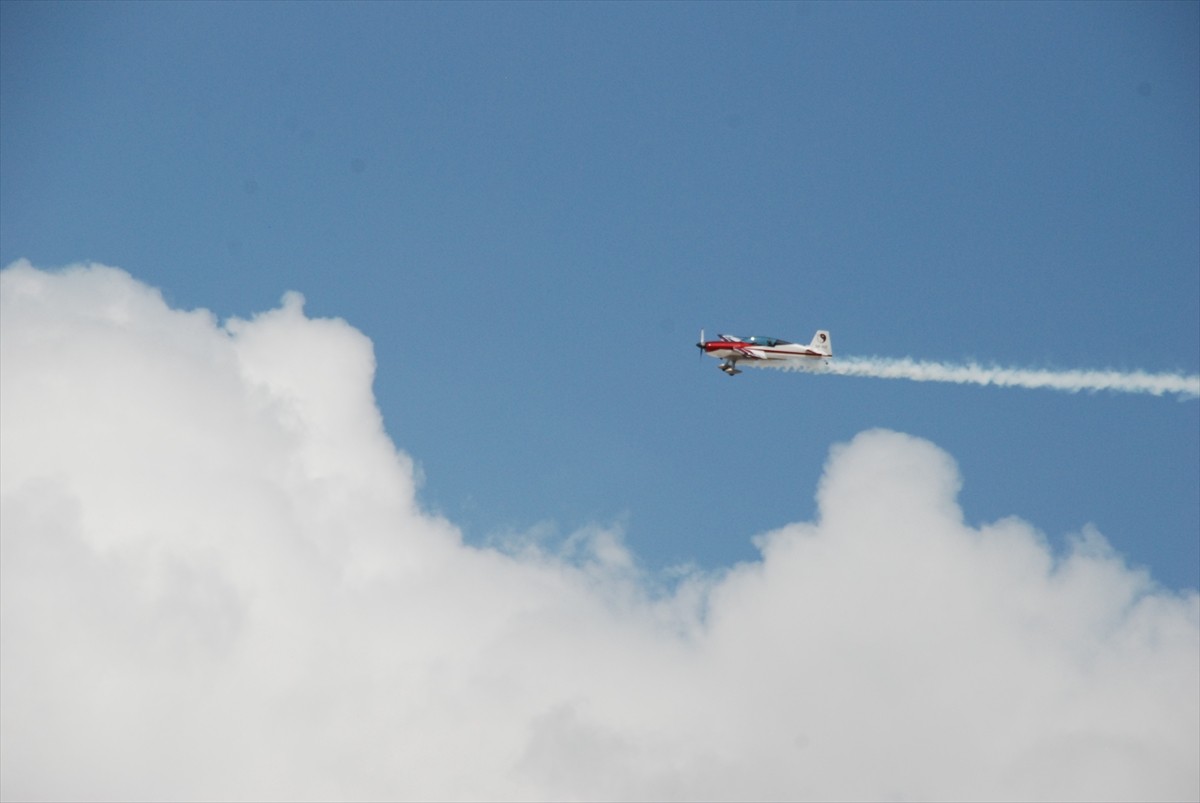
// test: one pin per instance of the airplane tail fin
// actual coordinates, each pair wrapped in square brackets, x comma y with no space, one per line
[821,343]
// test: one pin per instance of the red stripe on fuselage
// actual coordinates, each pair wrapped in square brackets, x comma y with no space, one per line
[737,346]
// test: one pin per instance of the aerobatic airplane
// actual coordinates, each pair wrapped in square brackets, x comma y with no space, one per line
[730,349]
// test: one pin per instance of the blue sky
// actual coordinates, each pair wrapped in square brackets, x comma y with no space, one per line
[531,209]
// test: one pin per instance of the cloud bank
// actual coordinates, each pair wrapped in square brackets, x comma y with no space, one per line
[218,583]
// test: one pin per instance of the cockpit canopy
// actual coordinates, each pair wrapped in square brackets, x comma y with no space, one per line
[769,342]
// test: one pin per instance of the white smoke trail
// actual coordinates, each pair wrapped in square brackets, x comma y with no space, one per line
[972,373]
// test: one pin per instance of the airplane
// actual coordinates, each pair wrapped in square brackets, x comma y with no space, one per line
[729,349]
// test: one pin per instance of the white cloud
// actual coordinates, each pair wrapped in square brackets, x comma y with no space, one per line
[218,583]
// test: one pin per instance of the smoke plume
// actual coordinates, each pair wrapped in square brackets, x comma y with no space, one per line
[1184,386]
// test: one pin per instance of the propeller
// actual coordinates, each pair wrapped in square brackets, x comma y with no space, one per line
[700,345]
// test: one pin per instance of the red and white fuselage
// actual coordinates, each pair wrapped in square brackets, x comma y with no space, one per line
[731,349]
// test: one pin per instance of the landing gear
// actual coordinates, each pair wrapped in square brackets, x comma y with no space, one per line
[728,368]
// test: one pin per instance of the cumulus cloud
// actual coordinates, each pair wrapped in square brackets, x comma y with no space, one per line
[218,582]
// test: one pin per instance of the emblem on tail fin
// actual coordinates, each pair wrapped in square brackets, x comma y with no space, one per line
[821,344]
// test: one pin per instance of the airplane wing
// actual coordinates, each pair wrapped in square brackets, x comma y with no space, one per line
[752,354]
[729,338]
